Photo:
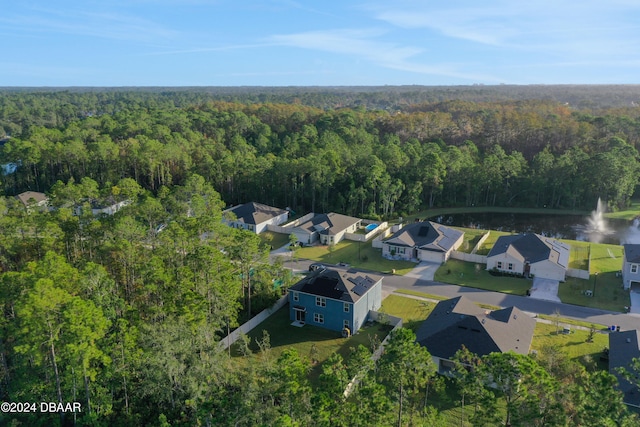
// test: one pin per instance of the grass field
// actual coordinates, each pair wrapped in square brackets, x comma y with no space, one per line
[311,342]
[630,213]
[411,310]
[274,240]
[356,254]
[475,276]
[575,344]
[471,238]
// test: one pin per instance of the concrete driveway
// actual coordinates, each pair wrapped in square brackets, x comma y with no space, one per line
[425,270]
[545,289]
[635,302]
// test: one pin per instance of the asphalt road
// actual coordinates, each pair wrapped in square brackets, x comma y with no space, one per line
[592,315]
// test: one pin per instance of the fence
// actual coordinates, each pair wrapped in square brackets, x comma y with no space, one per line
[366,237]
[580,274]
[480,259]
[396,322]
[377,242]
[480,242]
[248,326]
[288,227]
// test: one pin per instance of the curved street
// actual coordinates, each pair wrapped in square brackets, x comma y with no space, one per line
[392,283]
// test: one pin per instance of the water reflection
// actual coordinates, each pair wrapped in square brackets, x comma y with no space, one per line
[573,227]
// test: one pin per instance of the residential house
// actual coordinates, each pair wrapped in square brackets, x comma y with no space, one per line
[623,348]
[631,267]
[254,216]
[423,241]
[334,299]
[31,199]
[530,254]
[327,228]
[108,208]
[459,322]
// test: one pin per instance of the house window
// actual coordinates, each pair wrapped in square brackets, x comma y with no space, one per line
[296,297]
[318,318]
[321,301]
[510,266]
[346,307]
[345,324]
[634,268]
[499,264]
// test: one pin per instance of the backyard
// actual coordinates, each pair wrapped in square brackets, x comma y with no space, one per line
[311,342]
[360,255]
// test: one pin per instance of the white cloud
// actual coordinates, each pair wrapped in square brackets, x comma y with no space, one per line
[88,24]
[364,44]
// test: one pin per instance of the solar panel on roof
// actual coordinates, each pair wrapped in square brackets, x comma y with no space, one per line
[359,290]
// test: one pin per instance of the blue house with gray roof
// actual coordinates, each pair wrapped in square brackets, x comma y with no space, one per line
[530,254]
[334,299]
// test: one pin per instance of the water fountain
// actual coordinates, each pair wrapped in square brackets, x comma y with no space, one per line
[597,228]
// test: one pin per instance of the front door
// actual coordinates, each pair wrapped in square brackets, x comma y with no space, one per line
[300,316]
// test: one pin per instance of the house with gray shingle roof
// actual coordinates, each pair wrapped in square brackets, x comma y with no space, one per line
[623,348]
[458,322]
[631,267]
[423,241]
[334,299]
[254,216]
[530,254]
[327,228]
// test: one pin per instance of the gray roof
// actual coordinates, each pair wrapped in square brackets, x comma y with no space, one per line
[425,235]
[623,348]
[632,253]
[329,224]
[459,322]
[255,213]
[532,248]
[340,285]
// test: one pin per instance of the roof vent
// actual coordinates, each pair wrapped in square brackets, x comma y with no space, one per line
[629,340]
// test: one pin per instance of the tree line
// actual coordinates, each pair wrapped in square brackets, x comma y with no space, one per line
[360,162]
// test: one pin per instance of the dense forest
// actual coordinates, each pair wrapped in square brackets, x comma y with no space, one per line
[125,316]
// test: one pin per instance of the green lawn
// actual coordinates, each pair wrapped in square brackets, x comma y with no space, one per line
[475,276]
[356,254]
[471,238]
[575,344]
[410,310]
[608,295]
[275,240]
[325,342]
[630,213]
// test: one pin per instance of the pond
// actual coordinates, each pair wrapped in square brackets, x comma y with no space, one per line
[573,227]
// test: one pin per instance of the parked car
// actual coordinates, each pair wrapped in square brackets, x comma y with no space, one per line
[316,267]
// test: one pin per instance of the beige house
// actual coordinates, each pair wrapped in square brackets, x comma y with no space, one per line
[530,255]
[327,228]
[423,241]
[33,199]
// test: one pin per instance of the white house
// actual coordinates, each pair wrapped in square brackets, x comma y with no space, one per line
[423,241]
[254,216]
[631,266]
[530,254]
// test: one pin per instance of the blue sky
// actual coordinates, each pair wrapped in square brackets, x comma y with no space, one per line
[323,42]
